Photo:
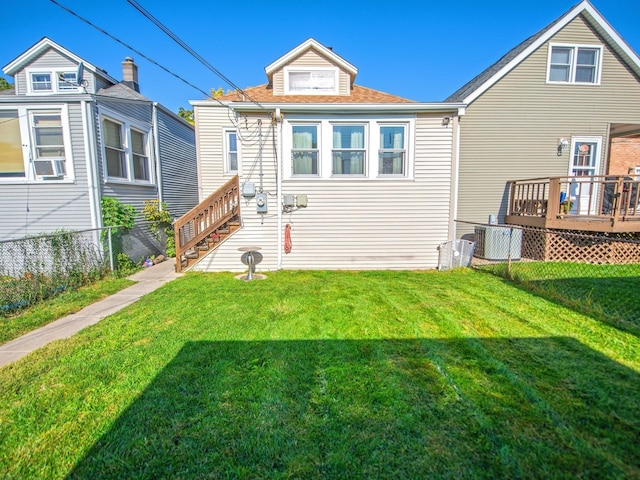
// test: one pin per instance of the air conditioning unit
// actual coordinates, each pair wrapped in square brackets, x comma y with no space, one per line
[498,242]
[49,168]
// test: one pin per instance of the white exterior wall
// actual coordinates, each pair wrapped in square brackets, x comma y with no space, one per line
[349,223]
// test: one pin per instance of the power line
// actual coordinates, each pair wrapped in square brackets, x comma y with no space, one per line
[138,52]
[191,51]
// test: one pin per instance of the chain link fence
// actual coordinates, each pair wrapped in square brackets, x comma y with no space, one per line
[37,267]
[597,274]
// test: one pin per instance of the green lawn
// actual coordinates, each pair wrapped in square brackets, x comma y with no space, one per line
[329,375]
[13,326]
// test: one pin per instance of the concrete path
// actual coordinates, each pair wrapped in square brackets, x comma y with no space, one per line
[147,280]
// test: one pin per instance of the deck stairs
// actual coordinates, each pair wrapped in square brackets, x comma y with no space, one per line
[207,225]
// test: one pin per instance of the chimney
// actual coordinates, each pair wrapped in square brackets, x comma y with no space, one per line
[130,74]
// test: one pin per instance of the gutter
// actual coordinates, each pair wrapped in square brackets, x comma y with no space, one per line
[409,107]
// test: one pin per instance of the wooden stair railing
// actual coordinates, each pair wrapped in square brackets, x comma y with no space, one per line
[216,211]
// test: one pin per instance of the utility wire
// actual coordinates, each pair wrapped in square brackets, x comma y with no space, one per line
[137,52]
[196,55]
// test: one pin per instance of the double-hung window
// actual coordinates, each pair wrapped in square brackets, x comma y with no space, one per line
[231,150]
[48,141]
[574,64]
[349,152]
[114,149]
[304,150]
[126,152]
[392,152]
[139,156]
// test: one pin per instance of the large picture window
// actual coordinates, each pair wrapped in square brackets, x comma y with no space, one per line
[348,152]
[11,158]
[304,150]
[574,64]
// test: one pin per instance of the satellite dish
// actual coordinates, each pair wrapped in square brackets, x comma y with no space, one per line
[79,73]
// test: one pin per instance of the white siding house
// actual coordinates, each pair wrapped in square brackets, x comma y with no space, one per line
[360,178]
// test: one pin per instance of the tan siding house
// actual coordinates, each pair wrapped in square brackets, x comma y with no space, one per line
[376,170]
[519,110]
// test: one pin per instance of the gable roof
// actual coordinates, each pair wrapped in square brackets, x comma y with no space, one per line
[310,44]
[264,93]
[39,48]
[481,83]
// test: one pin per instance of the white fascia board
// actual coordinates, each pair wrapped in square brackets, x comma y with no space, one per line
[584,6]
[28,56]
[342,107]
[310,43]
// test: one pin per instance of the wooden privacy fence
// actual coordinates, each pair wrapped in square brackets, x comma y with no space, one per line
[213,212]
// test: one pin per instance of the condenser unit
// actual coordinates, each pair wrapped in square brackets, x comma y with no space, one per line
[498,242]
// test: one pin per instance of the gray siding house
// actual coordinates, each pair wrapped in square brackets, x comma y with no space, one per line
[71,134]
[551,107]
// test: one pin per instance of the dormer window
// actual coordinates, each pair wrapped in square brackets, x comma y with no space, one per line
[311,81]
[52,82]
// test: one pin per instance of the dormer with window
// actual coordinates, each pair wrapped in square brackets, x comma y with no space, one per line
[51,81]
[49,69]
[311,69]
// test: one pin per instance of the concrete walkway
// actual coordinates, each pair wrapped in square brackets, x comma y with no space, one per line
[147,280]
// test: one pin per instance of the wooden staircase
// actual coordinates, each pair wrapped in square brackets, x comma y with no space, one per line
[207,225]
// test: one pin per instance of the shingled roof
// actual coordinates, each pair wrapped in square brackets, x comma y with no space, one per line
[264,94]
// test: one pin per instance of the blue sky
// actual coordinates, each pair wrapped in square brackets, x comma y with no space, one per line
[423,50]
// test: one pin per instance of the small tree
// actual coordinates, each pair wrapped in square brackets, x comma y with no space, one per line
[4,85]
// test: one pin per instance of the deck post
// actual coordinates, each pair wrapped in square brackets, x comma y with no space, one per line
[553,203]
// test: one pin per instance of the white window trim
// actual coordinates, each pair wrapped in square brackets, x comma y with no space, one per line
[372,145]
[127,125]
[575,47]
[28,145]
[406,127]
[336,80]
[54,81]
[225,150]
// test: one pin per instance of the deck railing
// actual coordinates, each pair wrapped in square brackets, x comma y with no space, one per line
[601,203]
[203,219]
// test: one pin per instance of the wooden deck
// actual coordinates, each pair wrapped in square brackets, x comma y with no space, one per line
[591,204]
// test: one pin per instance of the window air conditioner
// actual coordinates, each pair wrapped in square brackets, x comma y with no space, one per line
[49,168]
[497,243]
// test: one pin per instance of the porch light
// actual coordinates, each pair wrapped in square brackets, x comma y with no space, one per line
[563,144]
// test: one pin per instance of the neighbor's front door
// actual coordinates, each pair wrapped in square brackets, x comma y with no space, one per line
[585,163]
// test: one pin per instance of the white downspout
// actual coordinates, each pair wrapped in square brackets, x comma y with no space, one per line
[156,153]
[278,130]
[455,173]
[92,165]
